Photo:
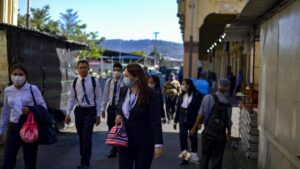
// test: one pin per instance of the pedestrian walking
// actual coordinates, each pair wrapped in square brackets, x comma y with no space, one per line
[239,82]
[171,90]
[215,114]
[17,99]
[110,100]
[188,105]
[85,95]
[140,113]
[154,83]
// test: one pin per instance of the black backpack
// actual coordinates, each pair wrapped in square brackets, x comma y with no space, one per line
[94,87]
[215,129]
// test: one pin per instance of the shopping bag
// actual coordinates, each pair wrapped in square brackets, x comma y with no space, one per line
[117,136]
[29,130]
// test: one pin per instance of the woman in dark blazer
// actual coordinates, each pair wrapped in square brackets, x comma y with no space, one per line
[154,83]
[188,105]
[140,112]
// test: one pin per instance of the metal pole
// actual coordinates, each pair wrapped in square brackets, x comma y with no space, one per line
[155,48]
[192,7]
[28,14]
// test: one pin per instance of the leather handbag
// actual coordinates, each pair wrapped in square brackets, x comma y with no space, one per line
[29,131]
[117,136]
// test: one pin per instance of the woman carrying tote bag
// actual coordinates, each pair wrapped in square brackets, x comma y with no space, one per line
[17,100]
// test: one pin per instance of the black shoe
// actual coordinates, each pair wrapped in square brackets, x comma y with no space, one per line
[183,162]
[112,155]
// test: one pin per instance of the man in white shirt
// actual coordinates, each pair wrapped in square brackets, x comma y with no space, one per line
[111,98]
[86,95]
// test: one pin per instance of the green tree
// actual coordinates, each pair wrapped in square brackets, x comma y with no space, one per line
[21,19]
[70,23]
[40,20]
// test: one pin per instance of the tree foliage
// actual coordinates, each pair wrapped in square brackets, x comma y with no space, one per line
[68,26]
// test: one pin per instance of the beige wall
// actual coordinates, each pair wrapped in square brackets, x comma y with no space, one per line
[9,11]
[279,97]
[202,9]
[3,63]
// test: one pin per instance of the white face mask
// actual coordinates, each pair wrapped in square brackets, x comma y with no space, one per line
[183,88]
[17,80]
[151,85]
[117,74]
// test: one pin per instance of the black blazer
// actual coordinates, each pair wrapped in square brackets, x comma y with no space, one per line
[143,126]
[192,109]
[161,100]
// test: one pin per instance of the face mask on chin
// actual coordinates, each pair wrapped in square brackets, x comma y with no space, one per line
[18,80]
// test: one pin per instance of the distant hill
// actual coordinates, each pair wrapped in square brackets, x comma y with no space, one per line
[167,48]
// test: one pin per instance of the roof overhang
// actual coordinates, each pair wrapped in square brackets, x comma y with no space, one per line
[71,44]
[253,13]
[211,29]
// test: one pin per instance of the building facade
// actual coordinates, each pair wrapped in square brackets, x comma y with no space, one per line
[262,41]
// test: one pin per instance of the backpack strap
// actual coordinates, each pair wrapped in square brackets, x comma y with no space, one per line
[33,98]
[74,88]
[94,87]
[216,99]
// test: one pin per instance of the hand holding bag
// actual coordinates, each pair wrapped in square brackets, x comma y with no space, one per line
[29,130]
[117,136]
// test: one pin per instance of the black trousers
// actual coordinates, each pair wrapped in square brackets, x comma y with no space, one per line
[111,115]
[170,106]
[134,157]
[183,136]
[85,119]
[13,143]
[213,159]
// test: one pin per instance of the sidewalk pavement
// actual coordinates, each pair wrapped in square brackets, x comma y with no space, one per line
[65,153]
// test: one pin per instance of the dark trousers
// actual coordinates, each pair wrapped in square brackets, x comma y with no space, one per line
[134,157]
[13,143]
[85,119]
[111,115]
[183,136]
[170,106]
[213,159]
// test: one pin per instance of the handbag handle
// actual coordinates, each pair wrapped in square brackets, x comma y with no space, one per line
[30,118]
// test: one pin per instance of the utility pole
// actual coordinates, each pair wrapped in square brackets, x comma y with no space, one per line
[156,60]
[28,14]
[192,8]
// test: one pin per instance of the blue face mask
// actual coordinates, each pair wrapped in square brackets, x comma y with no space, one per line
[127,82]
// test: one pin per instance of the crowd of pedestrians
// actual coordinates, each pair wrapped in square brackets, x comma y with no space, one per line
[135,100]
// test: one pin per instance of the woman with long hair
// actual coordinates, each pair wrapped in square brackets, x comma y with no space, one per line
[140,112]
[188,105]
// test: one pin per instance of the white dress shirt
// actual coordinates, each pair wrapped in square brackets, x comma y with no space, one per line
[14,100]
[186,101]
[109,91]
[89,92]
[129,103]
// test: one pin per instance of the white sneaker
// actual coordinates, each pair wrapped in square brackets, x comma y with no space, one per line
[185,155]
[194,158]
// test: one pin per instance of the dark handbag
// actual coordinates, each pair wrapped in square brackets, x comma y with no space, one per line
[46,123]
